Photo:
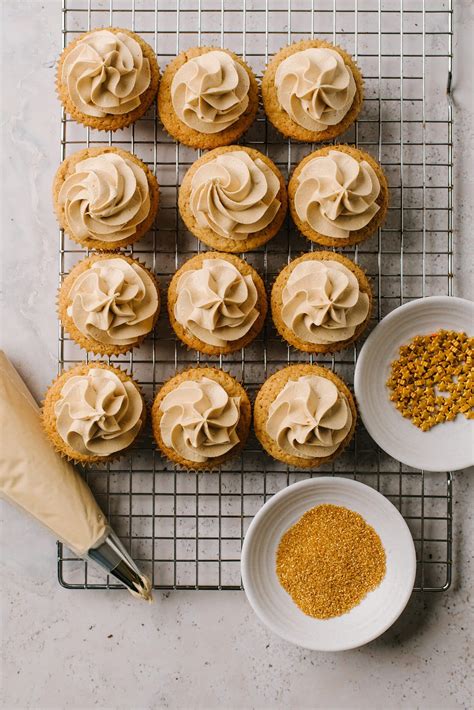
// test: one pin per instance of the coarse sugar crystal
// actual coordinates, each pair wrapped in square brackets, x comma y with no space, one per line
[329,560]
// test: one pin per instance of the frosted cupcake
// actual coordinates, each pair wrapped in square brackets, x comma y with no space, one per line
[304,415]
[109,303]
[233,199]
[93,412]
[321,302]
[107,78]
[312,91]
[201,418]
[216,303]
[105,198]
[208,97]
[338,196]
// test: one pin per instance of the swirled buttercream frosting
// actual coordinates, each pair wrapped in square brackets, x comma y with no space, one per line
[336,194]
[199,420]
[105,198]
[113,302]
[309,418]
[322,302]
[234,195]
[216,303]
[210,92]
[98,414]
[315,87]
[106,73]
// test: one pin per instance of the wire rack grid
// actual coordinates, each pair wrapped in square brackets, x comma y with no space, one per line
[186,530]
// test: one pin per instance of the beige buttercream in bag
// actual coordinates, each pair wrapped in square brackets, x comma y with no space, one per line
[35,478]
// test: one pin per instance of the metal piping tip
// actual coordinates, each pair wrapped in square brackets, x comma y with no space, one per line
[112,556]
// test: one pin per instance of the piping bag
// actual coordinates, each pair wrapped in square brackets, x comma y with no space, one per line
[34,478]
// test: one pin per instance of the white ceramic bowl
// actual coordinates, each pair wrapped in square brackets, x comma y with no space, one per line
[275,607]
[446,447]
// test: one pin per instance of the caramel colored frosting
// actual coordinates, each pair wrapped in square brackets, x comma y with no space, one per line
[216,303]
[322,302]
[106,198]
[199,420]
[309,418]
[114,302]
[97,414]
[234,195]
[315,87]
[337,194]
[106,73]
[210,92]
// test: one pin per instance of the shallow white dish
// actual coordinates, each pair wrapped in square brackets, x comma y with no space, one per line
[275,607]
[448,446]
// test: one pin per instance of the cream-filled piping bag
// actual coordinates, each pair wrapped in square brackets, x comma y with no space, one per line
[34,478]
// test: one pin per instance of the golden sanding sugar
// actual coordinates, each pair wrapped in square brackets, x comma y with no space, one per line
[329,560]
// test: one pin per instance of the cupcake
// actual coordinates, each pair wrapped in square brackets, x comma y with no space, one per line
[312,91]
[233,199]
[107,78]
[93,412]
[208,97]
[321,302]
[304,415]
[201,418]
[109,303]
[338,196]
[105,198]
[216,303]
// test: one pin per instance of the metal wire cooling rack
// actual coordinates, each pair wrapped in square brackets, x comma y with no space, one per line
[186,530]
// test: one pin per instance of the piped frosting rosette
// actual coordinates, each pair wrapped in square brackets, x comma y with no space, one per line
[105,199]
[233,199]
[209,92]
[315,87]
[234,195]
[322,302]
[336,194]
[199,420]
[98,414]
[113,301]
[309,418]
[216,303]
[106,73]
[304,415]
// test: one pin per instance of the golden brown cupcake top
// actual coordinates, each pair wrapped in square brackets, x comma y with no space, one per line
[234,194]
[315,87]
[322,302]
[199,420]
[114,302]
[98,413]
[309,418]
[210,91]
[106,73]
[336,194]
